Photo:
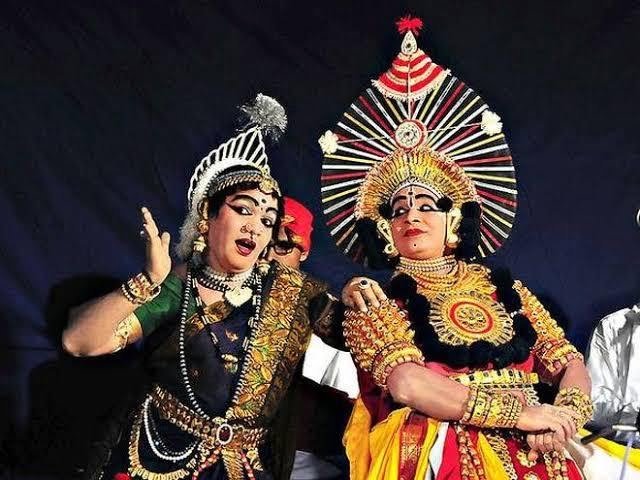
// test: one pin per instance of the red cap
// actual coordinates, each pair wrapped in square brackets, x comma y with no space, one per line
[298,221]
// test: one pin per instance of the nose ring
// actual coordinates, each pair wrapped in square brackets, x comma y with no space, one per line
[245,229]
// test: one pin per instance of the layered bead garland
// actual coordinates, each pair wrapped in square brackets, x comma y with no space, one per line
[252,279]
[222,282]
[255,280]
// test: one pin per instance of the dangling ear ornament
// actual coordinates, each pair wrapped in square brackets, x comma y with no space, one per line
[454,217]
[200,243]
[384,229]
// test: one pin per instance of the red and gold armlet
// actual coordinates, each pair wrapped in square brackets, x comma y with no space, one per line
[380,340]
[552,348]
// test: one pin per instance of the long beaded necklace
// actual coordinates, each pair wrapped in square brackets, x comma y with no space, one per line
[231,362]
[191,286]
[156,443]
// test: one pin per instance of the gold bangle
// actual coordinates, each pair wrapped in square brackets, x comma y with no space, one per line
[140,290]
[469,406]
[380,340]
[497,410]
[578,401]
[401,353]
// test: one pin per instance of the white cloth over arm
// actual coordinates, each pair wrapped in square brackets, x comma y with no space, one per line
[327,366]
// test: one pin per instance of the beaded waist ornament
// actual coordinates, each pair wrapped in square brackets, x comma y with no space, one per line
[214,439]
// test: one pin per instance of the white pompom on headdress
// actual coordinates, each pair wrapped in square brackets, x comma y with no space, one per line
[264,117]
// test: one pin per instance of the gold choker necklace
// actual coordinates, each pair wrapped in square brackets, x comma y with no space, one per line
[453,275]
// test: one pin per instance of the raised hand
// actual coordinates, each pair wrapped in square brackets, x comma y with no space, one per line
[158,264]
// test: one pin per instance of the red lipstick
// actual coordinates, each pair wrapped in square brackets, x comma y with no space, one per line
[245,246]
[413,232]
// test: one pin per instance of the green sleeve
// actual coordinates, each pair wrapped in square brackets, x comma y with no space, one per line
[162,308]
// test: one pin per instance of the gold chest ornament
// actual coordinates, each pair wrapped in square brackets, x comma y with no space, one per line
[463,310]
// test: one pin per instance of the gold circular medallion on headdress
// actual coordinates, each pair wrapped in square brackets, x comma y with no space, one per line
[268,185]
[462,318]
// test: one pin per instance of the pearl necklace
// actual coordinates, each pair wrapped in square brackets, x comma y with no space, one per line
[432,265]
[234,286]
[222,282]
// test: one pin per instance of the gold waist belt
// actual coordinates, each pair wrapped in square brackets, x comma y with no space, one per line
[216,439]
[508,378]
[217,431]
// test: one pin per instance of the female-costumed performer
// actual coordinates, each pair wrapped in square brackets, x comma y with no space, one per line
[223,333]
[417,174]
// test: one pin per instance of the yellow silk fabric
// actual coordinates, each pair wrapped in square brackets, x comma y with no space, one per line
[615,449]
[375,453]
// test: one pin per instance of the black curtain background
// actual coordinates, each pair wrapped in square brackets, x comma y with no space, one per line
[107,106]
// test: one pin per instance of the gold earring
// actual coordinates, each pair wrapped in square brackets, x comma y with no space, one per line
[200,243]
[384,229]
[454,217]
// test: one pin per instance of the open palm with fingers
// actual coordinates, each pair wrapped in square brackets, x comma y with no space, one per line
[158,264]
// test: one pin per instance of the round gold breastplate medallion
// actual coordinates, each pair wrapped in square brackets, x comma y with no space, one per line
[462,318]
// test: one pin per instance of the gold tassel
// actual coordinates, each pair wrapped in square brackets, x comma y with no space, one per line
[233,463]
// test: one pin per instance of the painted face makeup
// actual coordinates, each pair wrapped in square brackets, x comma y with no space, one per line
[241,231]
[418,226]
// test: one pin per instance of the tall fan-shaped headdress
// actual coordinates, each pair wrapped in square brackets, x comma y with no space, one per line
[240,159]
[417,124]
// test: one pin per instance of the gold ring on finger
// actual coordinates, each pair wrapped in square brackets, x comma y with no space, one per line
[364,284]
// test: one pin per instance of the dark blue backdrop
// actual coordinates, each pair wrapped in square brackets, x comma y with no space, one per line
[106,108]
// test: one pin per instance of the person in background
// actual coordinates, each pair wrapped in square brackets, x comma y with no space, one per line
[614,347]
[328,377]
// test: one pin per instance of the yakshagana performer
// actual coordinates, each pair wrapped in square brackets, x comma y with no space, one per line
[224,333]
[418,175]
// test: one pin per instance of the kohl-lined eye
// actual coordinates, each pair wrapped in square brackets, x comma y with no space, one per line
[398,212]
[241,209]
[428,208]
[268,222]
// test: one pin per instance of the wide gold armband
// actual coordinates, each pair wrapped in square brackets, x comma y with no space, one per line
[556,354]
[140,289]
[123,331]
[552,348]
[578,401]
[544,325]
[380,339]
[491,410]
